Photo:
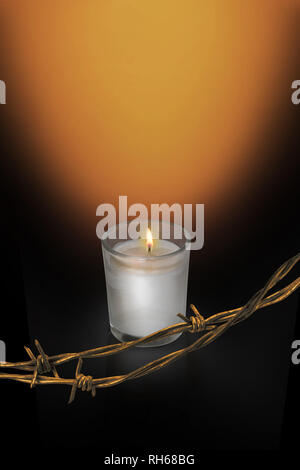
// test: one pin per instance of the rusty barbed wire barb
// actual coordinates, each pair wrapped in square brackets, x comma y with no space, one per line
[209,329]
[42,364]
[83,382]
[197,321]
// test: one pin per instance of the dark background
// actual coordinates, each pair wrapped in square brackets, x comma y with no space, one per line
[236,394]
[239,393]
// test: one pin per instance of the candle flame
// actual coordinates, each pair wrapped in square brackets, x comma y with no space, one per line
[149,239]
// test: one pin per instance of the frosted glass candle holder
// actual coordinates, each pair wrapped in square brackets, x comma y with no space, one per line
[145,290]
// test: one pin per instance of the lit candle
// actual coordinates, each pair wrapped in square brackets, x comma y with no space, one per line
[149,242]
[146,282]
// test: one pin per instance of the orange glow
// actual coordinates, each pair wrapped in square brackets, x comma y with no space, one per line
[102,87]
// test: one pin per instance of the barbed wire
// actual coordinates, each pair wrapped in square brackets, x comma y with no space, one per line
[209,329]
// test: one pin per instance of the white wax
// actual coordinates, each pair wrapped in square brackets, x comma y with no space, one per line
[145,292]
[138,248]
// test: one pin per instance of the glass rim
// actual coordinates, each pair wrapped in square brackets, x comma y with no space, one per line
[110,249]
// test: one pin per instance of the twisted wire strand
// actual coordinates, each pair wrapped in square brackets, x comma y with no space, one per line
[209,330]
